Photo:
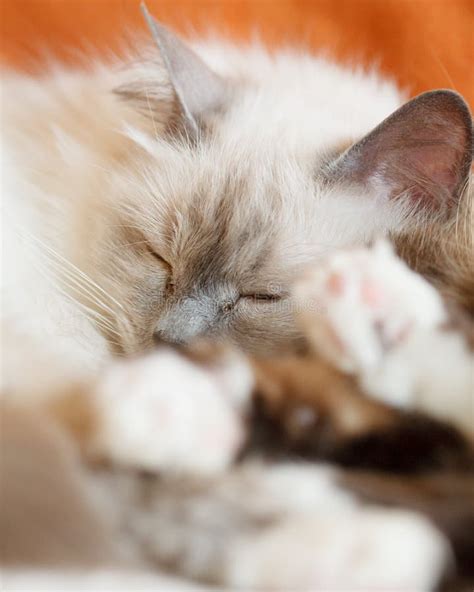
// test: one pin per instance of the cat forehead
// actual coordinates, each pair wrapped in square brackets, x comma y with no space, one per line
[235,181]
[219,241]
[232,214]
[226,227]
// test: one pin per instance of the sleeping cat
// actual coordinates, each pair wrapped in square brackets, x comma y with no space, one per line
[179,195]
[180,415]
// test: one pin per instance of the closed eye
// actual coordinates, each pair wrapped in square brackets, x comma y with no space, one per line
[158,257]
[263,297]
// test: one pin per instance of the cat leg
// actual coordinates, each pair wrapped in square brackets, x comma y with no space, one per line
[370,315]
[285,527]
[162,411]
[326,539]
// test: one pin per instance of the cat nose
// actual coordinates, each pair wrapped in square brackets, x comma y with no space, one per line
[184,322]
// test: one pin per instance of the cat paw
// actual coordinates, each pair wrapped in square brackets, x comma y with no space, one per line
[166,412]
[366,549]
[363,302]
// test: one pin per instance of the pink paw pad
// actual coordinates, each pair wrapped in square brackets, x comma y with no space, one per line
[372,294]
[336,284]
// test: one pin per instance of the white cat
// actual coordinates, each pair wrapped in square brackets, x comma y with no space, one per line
[179,194]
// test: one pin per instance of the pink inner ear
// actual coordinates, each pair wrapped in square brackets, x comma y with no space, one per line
[433,161]
[423,151]
[429,173]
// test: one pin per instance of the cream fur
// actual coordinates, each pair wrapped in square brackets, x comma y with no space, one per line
[384,323]
[87,177]
[114,230]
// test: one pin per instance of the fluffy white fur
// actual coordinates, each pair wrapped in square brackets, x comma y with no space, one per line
[77,161]
[89,178]
[171,414]
[384,323]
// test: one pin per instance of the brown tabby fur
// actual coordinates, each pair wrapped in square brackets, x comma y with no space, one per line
[443,252]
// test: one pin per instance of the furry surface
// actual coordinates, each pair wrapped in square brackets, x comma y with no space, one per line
[140,208]
[74,199]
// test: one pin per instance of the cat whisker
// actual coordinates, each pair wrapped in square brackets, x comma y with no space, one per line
[99,319]
[78,271]
[76,287]
[79,282]
[82,288]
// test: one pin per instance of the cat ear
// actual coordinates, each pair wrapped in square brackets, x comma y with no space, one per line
[197,88]
[423,151]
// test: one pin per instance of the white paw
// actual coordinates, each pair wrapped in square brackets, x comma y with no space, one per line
[319,536]
[164,412]
[364,549]
[367,303]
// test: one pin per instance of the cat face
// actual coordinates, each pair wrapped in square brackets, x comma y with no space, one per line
[218,215]
[214,240]
[209,250]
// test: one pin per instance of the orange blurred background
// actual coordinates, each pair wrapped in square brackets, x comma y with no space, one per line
[422,43]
